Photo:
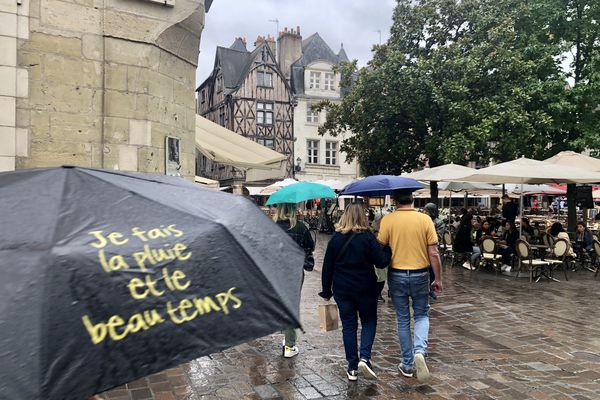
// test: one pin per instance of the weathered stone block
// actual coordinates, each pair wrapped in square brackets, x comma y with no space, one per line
[7,163]
[132,53]
[128,158]
[60,15]
[116,76]
[8,76]
[177,68]
[64,98]
[130,26]
[8,24]
[151,159]
[182,94]
[138,79]
[8,55]
[92,46]
[8,6]
[140,132]
[40,125]
[7,141]
[22,82]
[75,127]
[7,111]
[22,142]
[50,153]
[23,27]
[53,44]
[161,86]
[72,72]
[119,104]
[116,130]
[23,117]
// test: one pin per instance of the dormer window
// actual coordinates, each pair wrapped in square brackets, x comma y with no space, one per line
[264,79]
[315,80]
[329,81]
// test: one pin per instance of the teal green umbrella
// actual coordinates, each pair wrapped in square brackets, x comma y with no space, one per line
[299,192]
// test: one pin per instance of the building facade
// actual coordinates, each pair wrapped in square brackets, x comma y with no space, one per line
[99,84]
[247,93]
[313,80]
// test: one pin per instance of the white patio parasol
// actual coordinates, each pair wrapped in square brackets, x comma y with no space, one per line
[577,160]
[272,188]
[524,170]
[447,172]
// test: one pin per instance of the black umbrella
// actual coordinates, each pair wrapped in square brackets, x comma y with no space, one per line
[108,277]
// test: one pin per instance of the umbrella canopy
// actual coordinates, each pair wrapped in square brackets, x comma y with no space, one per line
[468,187]
[446,172]
[535,189]
[272,188]
[577,160]
[333,183]
[299,192]
[525,170]
[380,185]
[113,276]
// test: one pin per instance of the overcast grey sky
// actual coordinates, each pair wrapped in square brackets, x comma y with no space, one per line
[352,22]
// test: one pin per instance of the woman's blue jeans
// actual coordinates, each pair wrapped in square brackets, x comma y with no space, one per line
[405,285]
[365,305]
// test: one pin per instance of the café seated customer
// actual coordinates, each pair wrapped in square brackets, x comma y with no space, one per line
[508,244]
[463,242]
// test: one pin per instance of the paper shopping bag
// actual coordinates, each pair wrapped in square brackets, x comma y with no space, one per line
[328,317]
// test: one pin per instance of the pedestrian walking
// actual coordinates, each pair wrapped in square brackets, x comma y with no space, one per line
[431,209]
[286,218]
[349,277]
[510,209]
[414,243]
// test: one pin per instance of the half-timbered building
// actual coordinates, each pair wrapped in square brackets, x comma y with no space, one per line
[248,94]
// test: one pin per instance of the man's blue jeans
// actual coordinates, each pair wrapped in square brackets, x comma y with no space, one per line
[349,305]
[405,285]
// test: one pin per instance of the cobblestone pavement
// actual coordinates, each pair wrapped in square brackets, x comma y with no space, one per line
[491,337]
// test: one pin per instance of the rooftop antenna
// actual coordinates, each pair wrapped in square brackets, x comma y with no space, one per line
[276,23]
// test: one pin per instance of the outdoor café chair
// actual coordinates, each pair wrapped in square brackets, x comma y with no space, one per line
[534,266]
[489,253]
[447,242]
[560,254]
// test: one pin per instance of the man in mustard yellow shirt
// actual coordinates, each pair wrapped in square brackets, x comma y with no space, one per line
[414,243]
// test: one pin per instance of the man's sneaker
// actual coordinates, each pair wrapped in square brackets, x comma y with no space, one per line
[365,367]
[408,372]
[421,368]
[467,265]
[289,352]
[352,375]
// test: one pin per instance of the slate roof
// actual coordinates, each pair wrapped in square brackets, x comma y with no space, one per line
[314,49]
[342,54]
[238,45]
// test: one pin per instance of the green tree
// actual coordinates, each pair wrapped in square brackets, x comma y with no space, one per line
[472,80]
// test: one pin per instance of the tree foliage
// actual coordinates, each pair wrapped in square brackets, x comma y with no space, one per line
[473,80]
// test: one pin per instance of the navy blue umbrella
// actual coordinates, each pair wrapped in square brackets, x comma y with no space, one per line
[380,185]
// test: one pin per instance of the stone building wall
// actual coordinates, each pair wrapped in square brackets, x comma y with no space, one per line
[107,80]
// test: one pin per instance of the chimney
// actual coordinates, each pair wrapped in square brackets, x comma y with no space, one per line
[289,44]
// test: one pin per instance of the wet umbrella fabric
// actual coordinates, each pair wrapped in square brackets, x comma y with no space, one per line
[108,277]
[299,192]
[380,185]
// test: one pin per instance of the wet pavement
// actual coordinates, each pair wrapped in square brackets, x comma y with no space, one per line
[491,337]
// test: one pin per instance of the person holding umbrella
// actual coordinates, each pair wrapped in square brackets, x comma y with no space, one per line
[285,217]
[414,243]
[349,277]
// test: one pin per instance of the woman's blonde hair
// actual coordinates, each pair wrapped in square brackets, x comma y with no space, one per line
[354,219]
[286,212]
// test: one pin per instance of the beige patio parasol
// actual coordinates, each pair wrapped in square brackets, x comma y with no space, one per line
[577,160]
[447,172]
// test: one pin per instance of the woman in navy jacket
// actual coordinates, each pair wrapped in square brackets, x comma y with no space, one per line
[348,275]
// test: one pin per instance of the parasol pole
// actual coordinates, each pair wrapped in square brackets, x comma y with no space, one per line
[521,210]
